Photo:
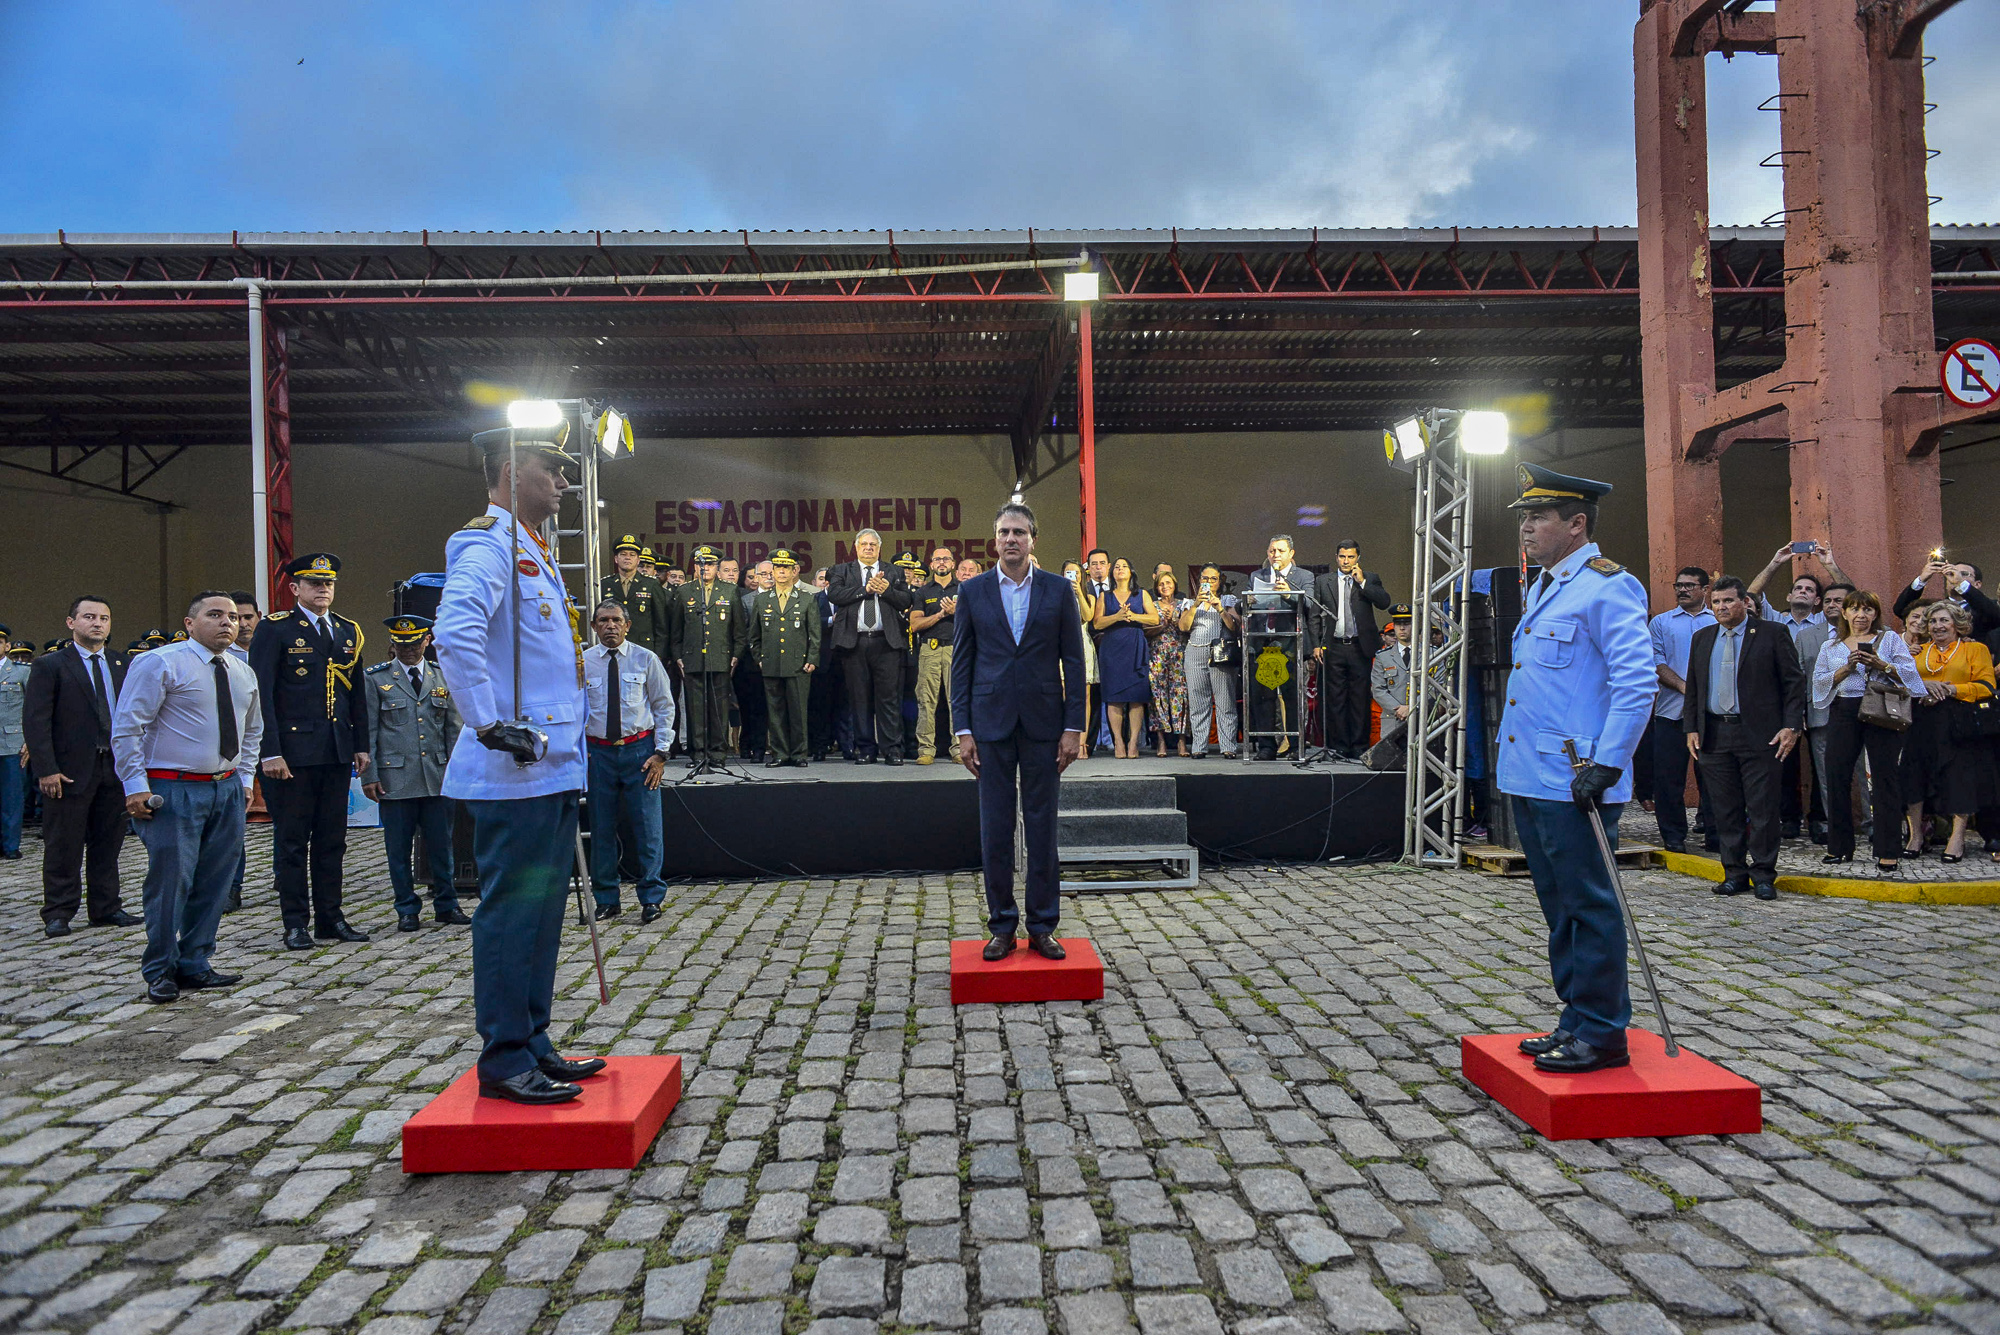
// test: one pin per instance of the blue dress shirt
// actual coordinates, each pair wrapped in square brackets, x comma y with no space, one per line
[1672,632]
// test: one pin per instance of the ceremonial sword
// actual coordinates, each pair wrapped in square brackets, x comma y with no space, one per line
[1577,763]
[582,878]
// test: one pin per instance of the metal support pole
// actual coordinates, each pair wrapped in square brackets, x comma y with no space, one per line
[1435,738]
[260,517]
[1086,428]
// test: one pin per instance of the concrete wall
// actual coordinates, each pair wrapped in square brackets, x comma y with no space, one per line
[1184,499]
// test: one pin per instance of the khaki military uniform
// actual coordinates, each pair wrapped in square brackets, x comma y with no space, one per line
[707,631]
[645,601]
[784,640]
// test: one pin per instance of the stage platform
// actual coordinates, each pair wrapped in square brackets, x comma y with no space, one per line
[835,818]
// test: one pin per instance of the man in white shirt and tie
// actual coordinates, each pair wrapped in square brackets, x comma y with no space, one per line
[185,742]
[629,731]
[869,597]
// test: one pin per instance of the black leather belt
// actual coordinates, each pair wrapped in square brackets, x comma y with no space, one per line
[1725,718]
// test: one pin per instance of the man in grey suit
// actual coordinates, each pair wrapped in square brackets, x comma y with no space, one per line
[415,725]
[1389,678]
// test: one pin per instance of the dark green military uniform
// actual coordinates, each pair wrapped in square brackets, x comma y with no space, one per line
[706,627]
[784,640]
[644,599]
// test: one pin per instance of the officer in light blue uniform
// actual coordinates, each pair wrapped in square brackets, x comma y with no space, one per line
[1583,673]
[518,764]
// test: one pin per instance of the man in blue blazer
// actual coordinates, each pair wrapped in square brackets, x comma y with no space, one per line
[1017,700]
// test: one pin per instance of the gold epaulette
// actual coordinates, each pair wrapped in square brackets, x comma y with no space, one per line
[1604,565]
[483,522]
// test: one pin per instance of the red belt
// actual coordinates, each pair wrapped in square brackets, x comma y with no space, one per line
[187,776]
[622,741]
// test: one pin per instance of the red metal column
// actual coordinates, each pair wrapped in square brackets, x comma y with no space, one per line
[1676,308]
[1086,428]
[278,458]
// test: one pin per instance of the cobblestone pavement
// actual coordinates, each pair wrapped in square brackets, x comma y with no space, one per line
[1261,1129]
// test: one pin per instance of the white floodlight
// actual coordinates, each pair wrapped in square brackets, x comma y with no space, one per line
[614,433]
[1080,285]
[1483,433]
[524,414]
[1411,437]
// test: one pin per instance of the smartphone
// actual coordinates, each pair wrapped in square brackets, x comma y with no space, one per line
[1803,548]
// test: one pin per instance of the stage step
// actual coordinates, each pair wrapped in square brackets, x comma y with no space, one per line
[1123,834]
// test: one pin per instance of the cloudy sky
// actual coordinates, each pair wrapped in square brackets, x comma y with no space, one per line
[146,115]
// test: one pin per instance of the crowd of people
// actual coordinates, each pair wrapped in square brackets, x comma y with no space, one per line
[1819,717]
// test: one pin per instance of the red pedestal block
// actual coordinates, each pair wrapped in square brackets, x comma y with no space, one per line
[1654,1096]
[1024,975]
[609,1126]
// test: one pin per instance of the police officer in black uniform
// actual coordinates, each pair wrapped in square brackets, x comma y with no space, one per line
[308,666]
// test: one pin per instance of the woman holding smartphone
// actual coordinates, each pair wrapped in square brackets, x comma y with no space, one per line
[1860,651]
[1210,621]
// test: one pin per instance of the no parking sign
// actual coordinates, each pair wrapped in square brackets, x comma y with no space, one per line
[1970,372]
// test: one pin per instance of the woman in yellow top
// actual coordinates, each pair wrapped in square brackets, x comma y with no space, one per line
[1952,775]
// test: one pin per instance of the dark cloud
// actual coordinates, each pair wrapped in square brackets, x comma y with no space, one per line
[873,113]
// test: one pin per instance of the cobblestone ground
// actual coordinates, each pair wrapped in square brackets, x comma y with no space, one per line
[1261,1129]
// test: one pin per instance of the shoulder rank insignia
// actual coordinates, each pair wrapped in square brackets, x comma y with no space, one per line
[1604,565]
[279,616]
[484,521]
[384,665]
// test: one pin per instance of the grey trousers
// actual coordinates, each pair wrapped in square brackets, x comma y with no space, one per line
[1211,697]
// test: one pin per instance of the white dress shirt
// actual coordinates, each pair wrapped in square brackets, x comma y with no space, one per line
[1014,597]
[167,717]
[645,696]
[870,617]
[110,685]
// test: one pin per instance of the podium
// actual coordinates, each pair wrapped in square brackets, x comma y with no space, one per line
[609,1126]
[1656,1095]
[1024,975]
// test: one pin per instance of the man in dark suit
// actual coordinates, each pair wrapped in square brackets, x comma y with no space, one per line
[869,596]
[1017,693]
[1746,705]
[1345,642]
[66,717]
[308,666]
[1959,582]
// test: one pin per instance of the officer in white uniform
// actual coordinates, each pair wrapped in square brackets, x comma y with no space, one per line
[1583,673]
[519,763]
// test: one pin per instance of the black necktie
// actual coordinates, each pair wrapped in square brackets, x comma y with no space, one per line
[326,636]
[417,680]
[614,725]
[1543,587]
[225,710]
[103,692]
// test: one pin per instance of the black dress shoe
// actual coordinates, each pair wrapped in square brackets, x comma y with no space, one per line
[1678,846]
[1046,946]
[406,922]
[798,764]
[119,919]
[1576,1056]
[892,760]
[14,856]
[207,978]
[296,938]
[648,912]
[1267,753]
[528,1087]
[233,903]
[864,760]
[55,927]
[999,948]
[772,762]
[339,930]
[608,911]
[452,917]
[1764,890]
[561,1068]
[1733,887]
[162,990]
[1549,1042]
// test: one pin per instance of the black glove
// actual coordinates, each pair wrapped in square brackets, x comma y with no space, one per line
[1592,782]
[525,744]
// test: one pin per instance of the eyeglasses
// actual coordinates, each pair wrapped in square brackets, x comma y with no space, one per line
[1687,586]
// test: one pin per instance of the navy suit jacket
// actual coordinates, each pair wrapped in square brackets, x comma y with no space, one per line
[1036,684]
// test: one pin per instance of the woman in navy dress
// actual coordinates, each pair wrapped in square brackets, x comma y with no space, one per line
[1122,617]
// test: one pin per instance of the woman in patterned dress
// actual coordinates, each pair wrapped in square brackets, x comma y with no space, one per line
[1166,666]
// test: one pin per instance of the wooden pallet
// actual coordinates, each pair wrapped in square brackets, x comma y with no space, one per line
[1495,861]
